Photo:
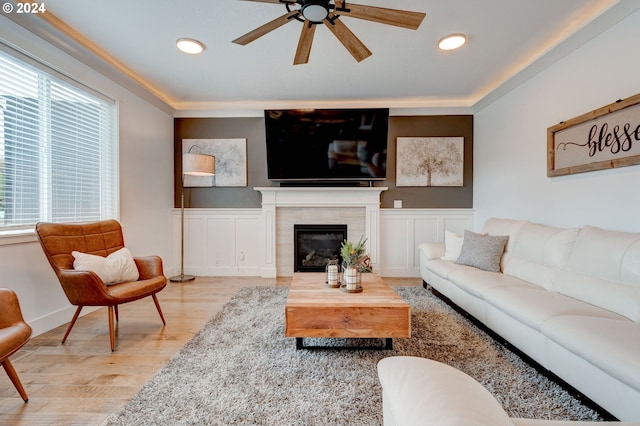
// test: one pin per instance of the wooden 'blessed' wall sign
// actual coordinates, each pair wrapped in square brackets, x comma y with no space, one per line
[602,139]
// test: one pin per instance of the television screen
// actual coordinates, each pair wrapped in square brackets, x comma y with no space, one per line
[327,144]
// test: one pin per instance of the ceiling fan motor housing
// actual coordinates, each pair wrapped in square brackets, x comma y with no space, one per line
[315,10]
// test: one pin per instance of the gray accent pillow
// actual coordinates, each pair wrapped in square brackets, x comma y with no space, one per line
[482,251]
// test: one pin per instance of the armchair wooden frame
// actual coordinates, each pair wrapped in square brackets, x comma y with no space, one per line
[14,334]
[85,288]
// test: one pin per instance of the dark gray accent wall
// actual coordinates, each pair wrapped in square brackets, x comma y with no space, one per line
[253,130]
[433,196]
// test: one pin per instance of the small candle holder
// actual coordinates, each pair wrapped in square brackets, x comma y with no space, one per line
[332,274]
[352,279]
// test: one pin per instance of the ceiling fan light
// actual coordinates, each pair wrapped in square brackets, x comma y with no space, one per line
[315,11]
[452,41]
[190,46]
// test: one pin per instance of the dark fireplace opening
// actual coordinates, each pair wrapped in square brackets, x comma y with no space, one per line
[315,245]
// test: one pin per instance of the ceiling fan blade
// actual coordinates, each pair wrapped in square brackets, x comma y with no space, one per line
[352,43]
[266,28]
[304,44]
[399,18]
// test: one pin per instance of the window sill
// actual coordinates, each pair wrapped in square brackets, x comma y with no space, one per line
[17,237]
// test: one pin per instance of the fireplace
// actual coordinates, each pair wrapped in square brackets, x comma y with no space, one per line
[357,207]
[315,245]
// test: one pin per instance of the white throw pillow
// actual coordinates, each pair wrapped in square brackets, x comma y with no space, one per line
[452,245]
[118,267]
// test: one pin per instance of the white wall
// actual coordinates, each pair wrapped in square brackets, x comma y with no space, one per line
[510,140]
[146,189]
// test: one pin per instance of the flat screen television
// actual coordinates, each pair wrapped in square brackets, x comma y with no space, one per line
[327,144]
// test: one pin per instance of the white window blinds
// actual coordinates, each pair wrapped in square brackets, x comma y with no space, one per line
[58,149]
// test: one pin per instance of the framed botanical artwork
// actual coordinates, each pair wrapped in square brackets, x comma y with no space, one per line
[602,139]
[429,161]
[231,161]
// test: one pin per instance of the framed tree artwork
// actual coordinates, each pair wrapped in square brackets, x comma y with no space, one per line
[429,161]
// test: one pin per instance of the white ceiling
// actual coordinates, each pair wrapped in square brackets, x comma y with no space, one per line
[406,69]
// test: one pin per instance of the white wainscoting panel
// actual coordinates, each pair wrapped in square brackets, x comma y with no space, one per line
[228,242]
[219,242]
[402,230]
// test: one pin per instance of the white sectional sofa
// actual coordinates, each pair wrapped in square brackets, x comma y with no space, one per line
[568,298]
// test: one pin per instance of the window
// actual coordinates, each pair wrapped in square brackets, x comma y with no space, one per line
[58,148]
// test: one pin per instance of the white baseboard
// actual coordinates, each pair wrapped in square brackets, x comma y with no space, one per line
[57,318]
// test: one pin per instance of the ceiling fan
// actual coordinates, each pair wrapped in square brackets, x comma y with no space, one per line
[327,12]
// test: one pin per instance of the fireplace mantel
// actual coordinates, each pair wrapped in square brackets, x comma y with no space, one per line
[317,197]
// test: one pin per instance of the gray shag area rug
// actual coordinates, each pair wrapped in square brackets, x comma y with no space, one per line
[241,370]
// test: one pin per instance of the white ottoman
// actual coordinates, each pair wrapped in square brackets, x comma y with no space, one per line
[419,391]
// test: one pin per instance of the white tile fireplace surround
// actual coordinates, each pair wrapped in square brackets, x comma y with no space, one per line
[357,207]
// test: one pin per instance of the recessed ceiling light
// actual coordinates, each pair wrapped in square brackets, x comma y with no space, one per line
[190,46]
[452,41]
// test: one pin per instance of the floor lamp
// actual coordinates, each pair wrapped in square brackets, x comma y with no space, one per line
[193,165]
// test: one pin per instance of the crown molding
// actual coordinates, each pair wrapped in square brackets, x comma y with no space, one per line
[54,31]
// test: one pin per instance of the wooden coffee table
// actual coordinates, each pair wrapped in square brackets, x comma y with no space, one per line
[314,310]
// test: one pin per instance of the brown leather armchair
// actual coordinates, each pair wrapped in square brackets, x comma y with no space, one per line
[14,333]
[85,288]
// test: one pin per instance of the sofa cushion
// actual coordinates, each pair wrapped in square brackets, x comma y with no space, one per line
[482,251]
[420,391]
[443,268]
[604,270]
[533,305]
[540,252]
[477,282]
[612,345]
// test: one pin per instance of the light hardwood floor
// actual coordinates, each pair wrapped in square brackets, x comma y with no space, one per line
[82,382]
